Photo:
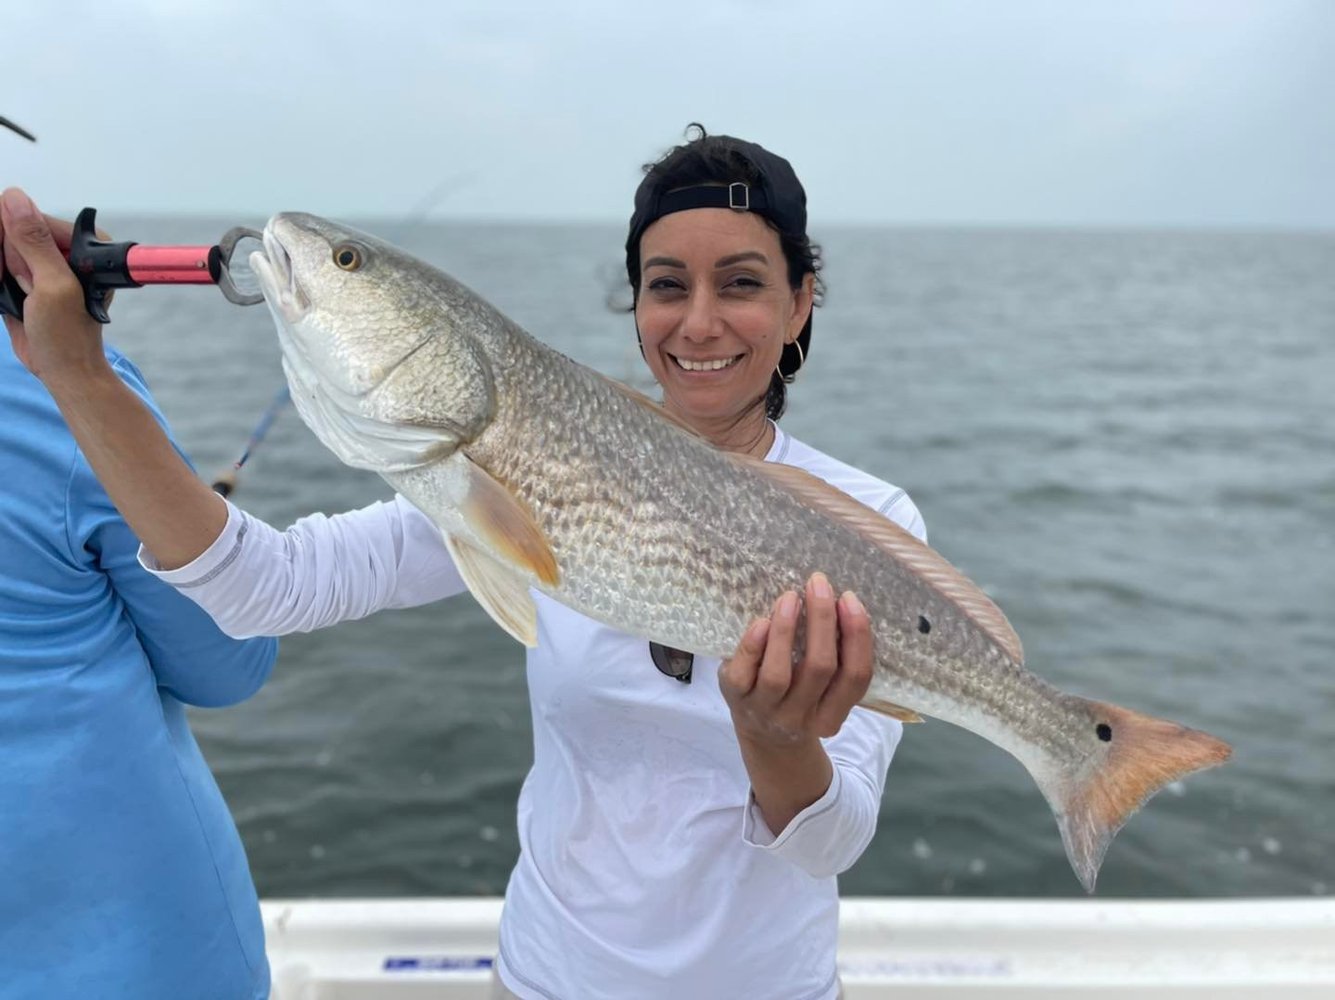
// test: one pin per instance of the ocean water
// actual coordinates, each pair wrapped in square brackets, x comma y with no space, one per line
[1127,438]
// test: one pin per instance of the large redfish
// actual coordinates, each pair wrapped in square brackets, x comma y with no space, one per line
[545,474]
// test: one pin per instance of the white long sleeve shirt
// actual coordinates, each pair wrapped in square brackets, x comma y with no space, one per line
[646,870]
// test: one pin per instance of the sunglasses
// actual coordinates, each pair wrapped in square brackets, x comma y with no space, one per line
[675,663]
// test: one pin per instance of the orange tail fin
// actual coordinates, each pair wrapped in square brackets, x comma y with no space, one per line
[1140,754]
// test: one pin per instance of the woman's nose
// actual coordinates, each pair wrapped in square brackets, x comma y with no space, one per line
[701,321]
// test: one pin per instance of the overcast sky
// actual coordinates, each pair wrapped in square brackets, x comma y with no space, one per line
[1061,112]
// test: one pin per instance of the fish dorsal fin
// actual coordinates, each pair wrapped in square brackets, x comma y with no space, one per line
[658,409]
[891,709]
[504,524]
[927,564]
[502,594]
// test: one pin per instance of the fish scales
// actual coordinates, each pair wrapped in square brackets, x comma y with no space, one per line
[543,473]
[731,541]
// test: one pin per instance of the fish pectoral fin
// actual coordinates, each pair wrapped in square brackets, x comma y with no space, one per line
[502,593]
[877,529]
[891,709]
[505,525]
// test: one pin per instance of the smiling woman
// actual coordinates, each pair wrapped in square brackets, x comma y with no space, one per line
[760,218]
[658,817]
[715,315]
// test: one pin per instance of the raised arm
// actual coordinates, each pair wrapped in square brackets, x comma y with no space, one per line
[189,655]
[257,580]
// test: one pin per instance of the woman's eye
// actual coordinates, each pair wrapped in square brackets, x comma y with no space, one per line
[665,285]
[746,282]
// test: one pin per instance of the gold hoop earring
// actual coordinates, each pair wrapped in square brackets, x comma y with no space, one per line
[801,360]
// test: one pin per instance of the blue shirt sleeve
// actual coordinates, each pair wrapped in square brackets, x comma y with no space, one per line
[190,657]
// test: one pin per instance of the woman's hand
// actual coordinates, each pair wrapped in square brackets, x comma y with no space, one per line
[779,703]
[781,709]
[57,338]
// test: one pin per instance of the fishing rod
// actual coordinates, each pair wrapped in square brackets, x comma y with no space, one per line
[103,266]
[17,128]
[225,483]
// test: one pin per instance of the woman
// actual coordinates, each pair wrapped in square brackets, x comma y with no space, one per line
[673,843]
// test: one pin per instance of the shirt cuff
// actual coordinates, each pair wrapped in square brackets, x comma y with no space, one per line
[756,832]
[209,563]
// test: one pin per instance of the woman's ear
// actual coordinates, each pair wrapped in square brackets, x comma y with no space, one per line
[803,299]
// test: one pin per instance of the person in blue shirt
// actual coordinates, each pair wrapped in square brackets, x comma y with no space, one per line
[122,875]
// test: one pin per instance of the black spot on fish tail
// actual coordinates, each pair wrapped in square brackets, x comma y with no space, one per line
[1105,732]
[924,626]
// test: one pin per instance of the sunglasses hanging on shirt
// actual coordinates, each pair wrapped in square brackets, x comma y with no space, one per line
[675,663]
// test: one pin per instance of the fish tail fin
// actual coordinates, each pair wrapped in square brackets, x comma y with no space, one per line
[1135,755]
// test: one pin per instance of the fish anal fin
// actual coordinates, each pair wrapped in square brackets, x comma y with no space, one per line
[877,529]
[891,709]
[502,594]
[505,525]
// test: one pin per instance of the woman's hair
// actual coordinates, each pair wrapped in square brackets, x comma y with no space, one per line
[772,191]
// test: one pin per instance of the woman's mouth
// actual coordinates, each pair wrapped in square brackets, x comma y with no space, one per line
[705,364]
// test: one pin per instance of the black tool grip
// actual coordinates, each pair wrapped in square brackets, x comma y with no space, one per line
[11,297]
[99,265]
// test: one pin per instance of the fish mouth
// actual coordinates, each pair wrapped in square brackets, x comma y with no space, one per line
[705,364]
[277,277]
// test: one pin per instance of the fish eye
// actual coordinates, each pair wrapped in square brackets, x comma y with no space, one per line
[348,256]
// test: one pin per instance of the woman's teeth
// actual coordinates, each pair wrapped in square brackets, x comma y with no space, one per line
[704,366]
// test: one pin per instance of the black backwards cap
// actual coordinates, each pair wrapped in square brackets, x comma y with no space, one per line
[775,193]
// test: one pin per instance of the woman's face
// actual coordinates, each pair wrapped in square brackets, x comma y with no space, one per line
[715,310]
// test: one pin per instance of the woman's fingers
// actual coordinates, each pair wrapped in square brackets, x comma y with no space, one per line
[737,675]
[770,696]
[63,232]
[776,667]
[30,244]
[820,658]
[57,337]
[850,684]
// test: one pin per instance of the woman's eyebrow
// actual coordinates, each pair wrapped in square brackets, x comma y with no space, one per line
[728,261]
[737,258]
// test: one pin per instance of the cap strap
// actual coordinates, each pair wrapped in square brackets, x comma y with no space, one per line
[738,195]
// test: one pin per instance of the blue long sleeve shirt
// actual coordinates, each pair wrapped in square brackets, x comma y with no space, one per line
[122,875]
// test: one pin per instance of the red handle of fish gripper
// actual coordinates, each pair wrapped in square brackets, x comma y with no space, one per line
[102,266]
[183,265]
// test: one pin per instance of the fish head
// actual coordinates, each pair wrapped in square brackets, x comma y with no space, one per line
[376,344]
